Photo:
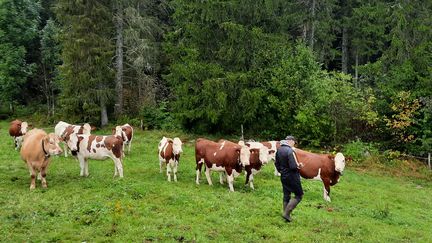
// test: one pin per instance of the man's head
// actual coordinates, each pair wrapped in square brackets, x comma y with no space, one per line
[289,140]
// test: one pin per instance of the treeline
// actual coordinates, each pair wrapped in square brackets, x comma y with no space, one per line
[327,71]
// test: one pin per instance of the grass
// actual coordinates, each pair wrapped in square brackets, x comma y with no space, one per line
[144,207]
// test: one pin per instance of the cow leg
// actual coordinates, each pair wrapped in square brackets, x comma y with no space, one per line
[169,169]
[230,178]
[208,175]
[175,170]
[199,164]
[66,149]
[82,165]
[129,146]
[119,165]
[32,178]
[161,161]
[39,177]
[86,172]
[251,185]
[43,174]
[326,190]
[221,178]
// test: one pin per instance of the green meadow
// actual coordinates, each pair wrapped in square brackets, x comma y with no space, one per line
[367,206]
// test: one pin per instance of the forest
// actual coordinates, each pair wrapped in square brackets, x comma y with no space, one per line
[329,72]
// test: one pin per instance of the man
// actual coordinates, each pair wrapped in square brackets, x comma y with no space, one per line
[287,165]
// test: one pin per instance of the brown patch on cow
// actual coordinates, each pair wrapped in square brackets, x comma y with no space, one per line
[99,139]
[267,144]
[115,145]
[128,131]
[168,152]
[80,130]
[94,150]
[91,138]
[15,128]
[67,132]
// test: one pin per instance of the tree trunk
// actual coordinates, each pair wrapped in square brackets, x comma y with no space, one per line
[345,50]
[312,34]
[119,61]
[356,84]
[104,114]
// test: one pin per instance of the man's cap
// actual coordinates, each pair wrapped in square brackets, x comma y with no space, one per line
[289,137]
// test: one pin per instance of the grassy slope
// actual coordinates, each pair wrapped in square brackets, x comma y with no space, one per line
[145,207]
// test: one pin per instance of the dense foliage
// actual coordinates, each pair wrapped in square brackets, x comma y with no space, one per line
[327,71]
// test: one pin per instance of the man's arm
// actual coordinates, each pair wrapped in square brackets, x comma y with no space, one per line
[277,162]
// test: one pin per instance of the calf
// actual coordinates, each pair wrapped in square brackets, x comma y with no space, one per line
[126,134]
[86,147]
[17,130]
[259,155]
[65,130]
[272,148]
[36,151]
[169,154]
[225,157]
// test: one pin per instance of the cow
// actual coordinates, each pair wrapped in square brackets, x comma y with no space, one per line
[272,148]
[169,151]
[17,130]
[126,134]
[85,147]
[324,167]
[224,156]
[64,130]
[36,151]
[259,156]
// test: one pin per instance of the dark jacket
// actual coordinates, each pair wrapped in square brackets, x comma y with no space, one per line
[285,162]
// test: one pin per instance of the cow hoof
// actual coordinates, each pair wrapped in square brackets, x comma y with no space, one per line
[32,187]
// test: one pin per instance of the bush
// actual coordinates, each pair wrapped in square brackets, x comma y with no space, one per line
[158,117]
[359,150]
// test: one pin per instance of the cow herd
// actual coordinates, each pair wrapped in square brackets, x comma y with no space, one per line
[223,156]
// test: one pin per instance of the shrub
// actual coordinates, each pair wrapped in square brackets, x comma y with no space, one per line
[359,150]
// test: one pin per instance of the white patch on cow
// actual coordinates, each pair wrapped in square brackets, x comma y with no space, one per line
[197,177]
[217,168]
[214,154]
[230,179]
[245,155]
[223,144]
[24,126]
[339,162]
[254,172]
[318,176]
[177,146]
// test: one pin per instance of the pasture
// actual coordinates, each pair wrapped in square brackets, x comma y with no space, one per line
[144,207]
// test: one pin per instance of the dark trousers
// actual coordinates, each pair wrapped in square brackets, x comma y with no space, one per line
[291,184]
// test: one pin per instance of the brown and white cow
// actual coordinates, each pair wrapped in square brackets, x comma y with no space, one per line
[17,130]
[272,148]
[224,156]
[324,167]
[64,130]
[259,156]
[86,147]
[126,134]
[169,151]
[36,151]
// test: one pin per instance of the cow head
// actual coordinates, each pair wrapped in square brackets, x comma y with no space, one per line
[24,127]
[73,143]
[264,156]
[244,155]
[177,146]
[339,162]
[86,129]
[51,144]
[118,132]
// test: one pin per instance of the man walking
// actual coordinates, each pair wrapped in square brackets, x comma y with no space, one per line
[287,165]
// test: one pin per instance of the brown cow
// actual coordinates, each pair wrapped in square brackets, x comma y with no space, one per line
[86,147]
[36,151]
[259,155]
[169,151]
[324,167]
[17,130]
[126,134]
[225,157]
